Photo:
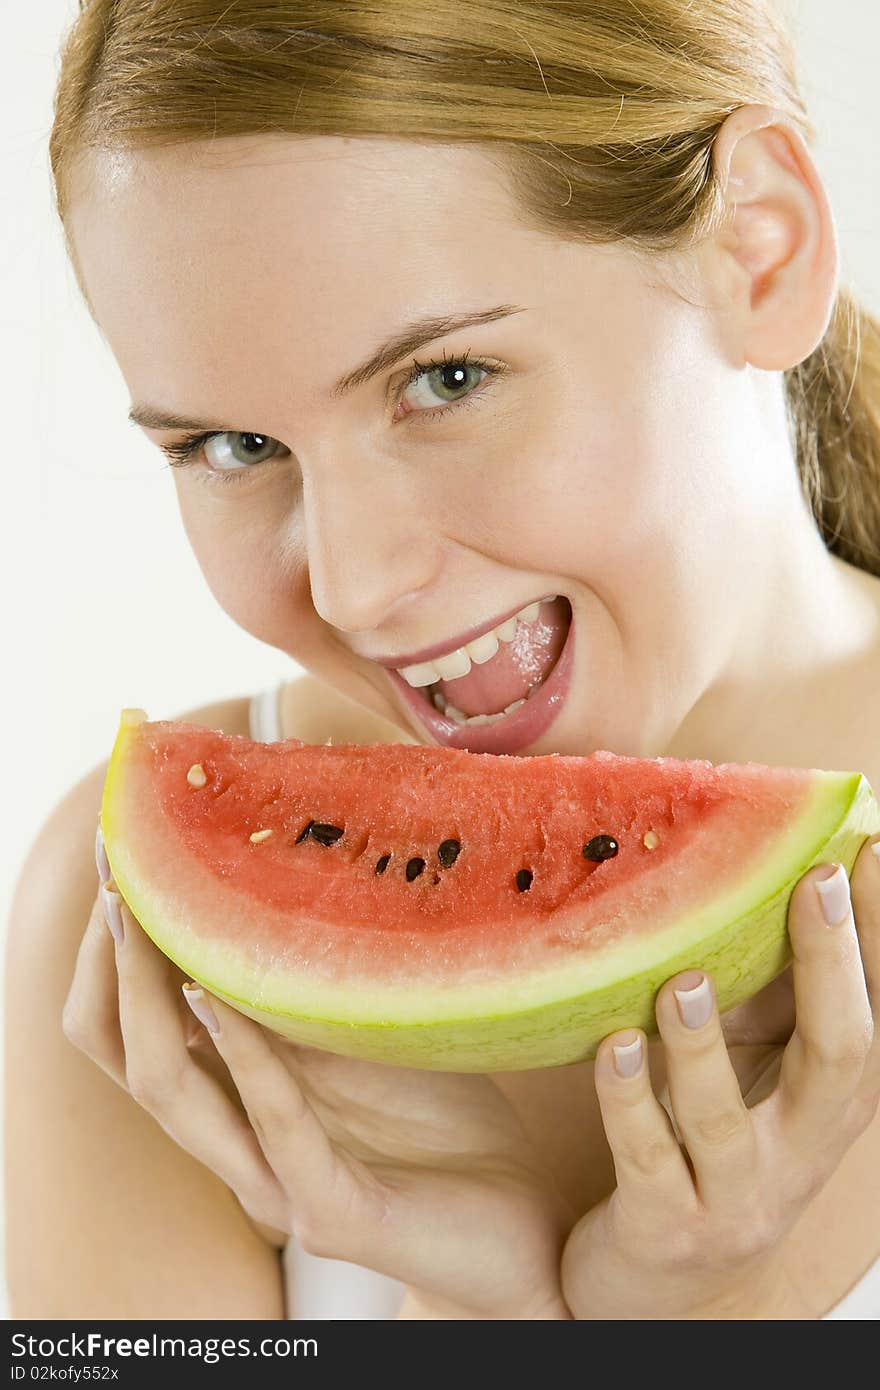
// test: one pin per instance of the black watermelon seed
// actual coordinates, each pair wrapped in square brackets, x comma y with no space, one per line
[601,847]
[414,868]
[448,852]
[524,879]
[382,864]
[326,834]
[304,833]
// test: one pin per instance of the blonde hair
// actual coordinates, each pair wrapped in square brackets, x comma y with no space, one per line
[601,113]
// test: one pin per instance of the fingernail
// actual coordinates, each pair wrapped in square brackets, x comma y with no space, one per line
[876,848]
[695,1003]
[628,1058]
[101,859]
[201,1008]
[833,893]
[112,905]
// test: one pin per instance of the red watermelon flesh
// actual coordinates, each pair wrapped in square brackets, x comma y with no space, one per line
[457,910]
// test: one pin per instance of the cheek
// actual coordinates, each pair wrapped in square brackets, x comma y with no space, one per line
[572,485]
[251,559]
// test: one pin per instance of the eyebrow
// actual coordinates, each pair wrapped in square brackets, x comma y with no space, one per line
[405,341]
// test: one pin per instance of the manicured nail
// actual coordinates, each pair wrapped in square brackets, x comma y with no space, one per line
[101,859]
[628,1058]
[695,1003]
[201,1008]
[112,905]
[833,893]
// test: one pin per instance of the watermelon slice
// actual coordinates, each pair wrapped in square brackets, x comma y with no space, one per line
[461,911]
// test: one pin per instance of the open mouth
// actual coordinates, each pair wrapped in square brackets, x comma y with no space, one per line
[497,688]
[505,702]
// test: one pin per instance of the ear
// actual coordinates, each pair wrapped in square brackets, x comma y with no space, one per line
[780,237]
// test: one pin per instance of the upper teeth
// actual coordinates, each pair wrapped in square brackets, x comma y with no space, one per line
[482,649]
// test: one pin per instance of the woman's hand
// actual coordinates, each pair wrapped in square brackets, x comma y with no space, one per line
[424,1176]
[696,1230]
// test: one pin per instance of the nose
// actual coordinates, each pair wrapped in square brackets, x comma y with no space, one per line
[370,547]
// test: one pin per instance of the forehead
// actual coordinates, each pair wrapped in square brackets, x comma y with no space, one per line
[271,239]
[296,185]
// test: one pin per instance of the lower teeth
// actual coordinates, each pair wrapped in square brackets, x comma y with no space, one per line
[459,717]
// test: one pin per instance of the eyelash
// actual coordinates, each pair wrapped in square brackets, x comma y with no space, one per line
[181,452]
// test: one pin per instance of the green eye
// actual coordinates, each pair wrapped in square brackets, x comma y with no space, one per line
[448,379]
[245,450]
[233,463]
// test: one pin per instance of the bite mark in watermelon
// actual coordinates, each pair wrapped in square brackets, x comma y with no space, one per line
[460,911]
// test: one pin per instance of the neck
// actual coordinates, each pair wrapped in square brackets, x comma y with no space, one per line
[809,639]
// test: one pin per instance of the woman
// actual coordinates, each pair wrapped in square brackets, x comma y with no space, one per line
[439,314]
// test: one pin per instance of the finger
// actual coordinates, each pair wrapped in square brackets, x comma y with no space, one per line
[91,1010]
[648,1160]
[823,1064]
[162,1076]
[715,1125]
[865,888]
[327,1190]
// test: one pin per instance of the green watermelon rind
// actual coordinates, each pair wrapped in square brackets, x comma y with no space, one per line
[559,1016]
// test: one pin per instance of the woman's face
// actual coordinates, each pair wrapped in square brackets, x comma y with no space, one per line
[615,449]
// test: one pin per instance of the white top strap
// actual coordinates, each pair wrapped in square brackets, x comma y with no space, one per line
[264,715]
[317,1287]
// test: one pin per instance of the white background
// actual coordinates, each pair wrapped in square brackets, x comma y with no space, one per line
[103,604]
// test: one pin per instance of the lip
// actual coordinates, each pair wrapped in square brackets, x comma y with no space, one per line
[515,731]
[442,648]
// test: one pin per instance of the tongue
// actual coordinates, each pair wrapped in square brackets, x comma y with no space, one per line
[516,666]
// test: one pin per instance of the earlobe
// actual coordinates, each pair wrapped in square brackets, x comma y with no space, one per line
[779,230]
